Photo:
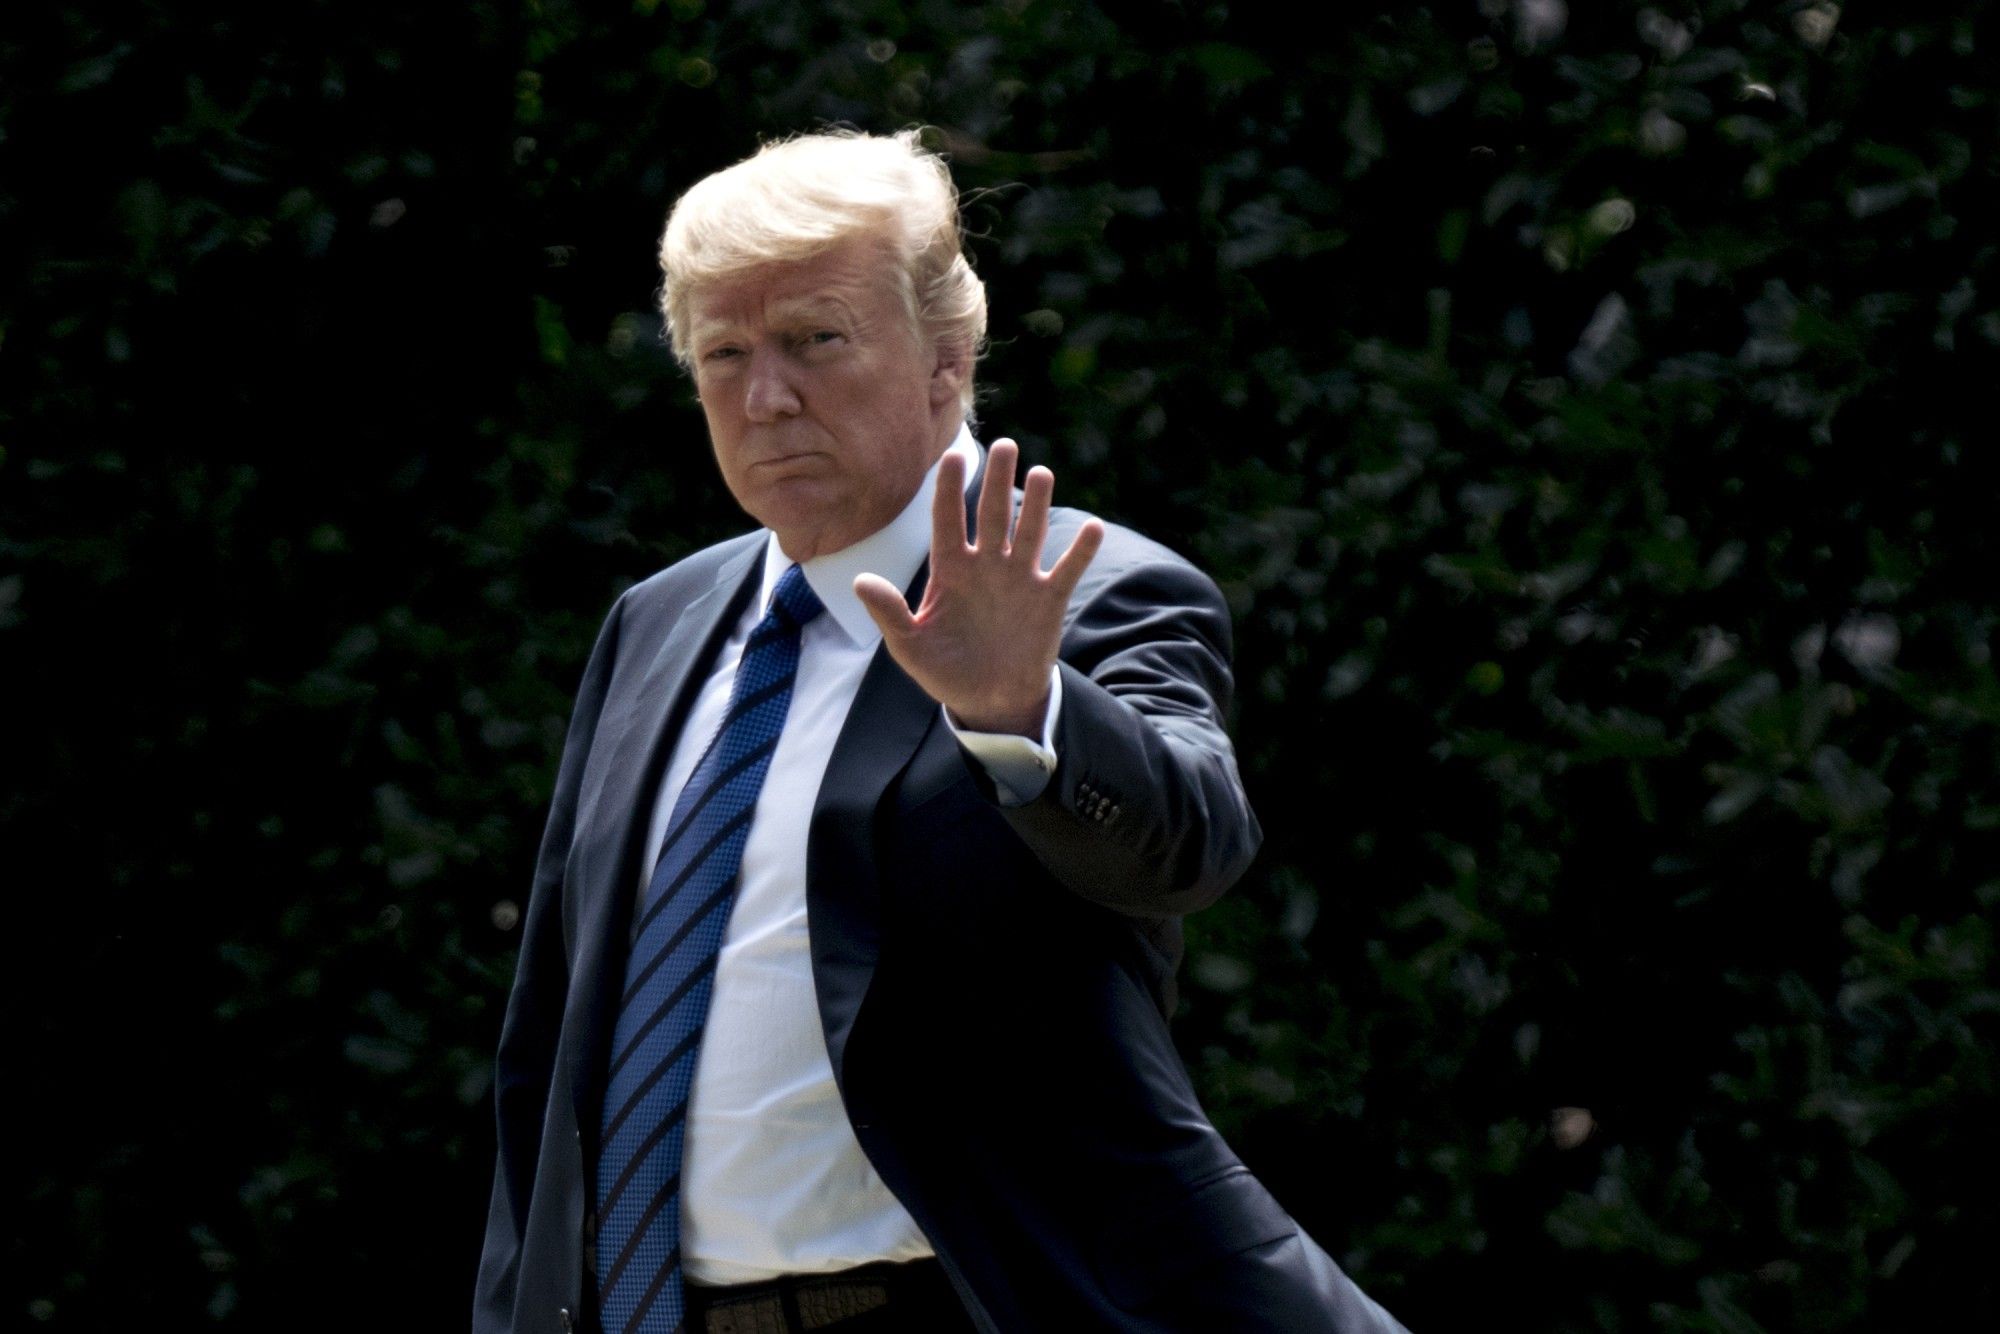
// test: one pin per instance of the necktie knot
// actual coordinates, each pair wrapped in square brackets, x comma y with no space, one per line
[794,598]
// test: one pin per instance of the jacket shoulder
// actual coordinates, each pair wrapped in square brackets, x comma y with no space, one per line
[666,591]
[1128,555]
[1123,546]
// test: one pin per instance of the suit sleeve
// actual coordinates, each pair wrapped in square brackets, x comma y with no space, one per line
[524,1066]
[1145,813]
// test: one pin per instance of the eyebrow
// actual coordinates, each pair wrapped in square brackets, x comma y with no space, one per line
[795,310]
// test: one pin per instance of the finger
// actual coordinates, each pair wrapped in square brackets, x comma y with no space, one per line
[885,606]
[996,496]
[948,509]
[1032,527]
[1082,548]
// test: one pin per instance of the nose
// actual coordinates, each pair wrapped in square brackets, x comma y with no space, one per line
[768,393]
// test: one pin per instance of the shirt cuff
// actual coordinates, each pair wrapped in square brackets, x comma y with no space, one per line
[1019,767]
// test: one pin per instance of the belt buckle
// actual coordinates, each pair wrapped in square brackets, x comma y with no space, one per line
[762,1314]
[820,1302]
[827,1300]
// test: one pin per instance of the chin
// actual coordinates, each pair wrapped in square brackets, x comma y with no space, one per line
[793,504]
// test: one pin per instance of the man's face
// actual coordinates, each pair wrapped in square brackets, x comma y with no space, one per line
[824,407]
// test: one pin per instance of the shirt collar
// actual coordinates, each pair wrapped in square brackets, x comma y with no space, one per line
[896,551]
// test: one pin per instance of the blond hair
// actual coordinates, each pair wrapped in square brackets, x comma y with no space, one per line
[796,197]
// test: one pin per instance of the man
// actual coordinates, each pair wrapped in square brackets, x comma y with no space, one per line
[844,981]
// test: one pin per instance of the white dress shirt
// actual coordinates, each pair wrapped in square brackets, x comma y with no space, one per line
[773,1180]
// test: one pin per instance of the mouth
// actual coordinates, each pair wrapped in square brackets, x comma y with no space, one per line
[782,460]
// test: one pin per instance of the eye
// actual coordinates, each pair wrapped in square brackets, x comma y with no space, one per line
[722,353]
[823,337]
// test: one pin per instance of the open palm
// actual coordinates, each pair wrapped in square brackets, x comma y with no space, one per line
[984,638]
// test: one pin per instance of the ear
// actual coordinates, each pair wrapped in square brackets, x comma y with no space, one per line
[950,374]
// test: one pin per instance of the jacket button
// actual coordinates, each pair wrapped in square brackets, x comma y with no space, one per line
[567,1323]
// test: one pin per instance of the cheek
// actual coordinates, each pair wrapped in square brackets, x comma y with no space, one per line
[719,408]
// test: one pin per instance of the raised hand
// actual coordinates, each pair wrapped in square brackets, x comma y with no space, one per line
[984,638]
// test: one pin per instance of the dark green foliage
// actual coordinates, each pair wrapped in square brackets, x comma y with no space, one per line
[1582,410]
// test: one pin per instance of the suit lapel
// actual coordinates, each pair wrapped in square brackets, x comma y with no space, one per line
[888,721]
[619,808]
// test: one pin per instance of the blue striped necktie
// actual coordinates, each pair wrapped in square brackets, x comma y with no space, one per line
[670,974]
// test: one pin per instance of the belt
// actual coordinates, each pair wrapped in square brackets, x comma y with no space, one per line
[793,1303]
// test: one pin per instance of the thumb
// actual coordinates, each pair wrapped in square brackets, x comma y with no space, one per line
[885,605]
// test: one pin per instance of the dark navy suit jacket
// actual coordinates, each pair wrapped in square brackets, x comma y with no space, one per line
[994,982]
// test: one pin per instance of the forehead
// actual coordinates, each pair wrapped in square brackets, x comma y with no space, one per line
[855,276]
